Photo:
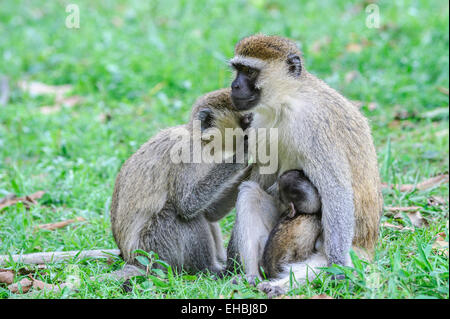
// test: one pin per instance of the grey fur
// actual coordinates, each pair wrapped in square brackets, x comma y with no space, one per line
[172,209]
[326,136]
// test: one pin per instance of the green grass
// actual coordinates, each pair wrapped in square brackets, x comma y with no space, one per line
[143,63]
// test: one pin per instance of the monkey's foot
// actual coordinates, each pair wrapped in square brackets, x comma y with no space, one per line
[270,289]
[339,277]
[250,279]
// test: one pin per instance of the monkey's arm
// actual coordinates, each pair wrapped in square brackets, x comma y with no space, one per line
[329,171]
[214,194]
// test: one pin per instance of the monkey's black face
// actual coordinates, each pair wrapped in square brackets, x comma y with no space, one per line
[293,187]
[244,93]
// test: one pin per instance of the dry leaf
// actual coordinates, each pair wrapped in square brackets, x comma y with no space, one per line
[417,219]
[60,103]
[49,109]
[317,46]
[350,76]
[398,227]
[117,21]
[403,114]
[38,88]
[426,184]
[30,282]
[354,47]
[57,225]
[443,90]
[28,200]
[104,117]
[321,296]
[7,277]
[372,106]
[48,287]
[31,269]
[441,245]
[357,103]
[437,201]
[390,211]
[403,209]
[25,283]
[413,213]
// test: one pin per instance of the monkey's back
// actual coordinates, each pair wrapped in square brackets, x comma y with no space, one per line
[141,191]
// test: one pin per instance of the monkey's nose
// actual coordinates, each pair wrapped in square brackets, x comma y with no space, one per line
[235,85]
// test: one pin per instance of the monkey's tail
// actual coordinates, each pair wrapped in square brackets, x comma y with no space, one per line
[301,272]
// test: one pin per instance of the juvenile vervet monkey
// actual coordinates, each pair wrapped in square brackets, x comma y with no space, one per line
[321,133]
[293,238]
[285,224]
[173,209]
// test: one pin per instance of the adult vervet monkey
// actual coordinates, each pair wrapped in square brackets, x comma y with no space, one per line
[173,208]
[321,133]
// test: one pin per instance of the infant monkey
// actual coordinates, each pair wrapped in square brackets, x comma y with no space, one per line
[301,219]
[296,191]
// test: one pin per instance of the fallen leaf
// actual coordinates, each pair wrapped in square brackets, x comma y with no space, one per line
[403,209]
[31,269]
[350,76]
[38,88]
[390,211]
[389,225]
[25,283]
[426,184]
[64,223]
[49,109]
[394,124]
[357,103]
[7,277]
[441,245]
[61,102]
[317,45]
[412,212]
[437,201]
[27,200]
[372,106]
[321,296]
[403,114]
[40,285]
[443,90]
[117,21]
[104,117]
[417,219]
[354,47]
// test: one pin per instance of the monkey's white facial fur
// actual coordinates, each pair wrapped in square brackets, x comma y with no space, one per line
[254,63]
[273,84]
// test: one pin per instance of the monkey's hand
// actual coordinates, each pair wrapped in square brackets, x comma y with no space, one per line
[270,289]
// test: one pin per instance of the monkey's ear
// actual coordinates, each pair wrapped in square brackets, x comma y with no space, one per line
[205,116]
[295,64]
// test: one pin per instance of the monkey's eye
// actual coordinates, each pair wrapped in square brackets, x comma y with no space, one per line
[251,72]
